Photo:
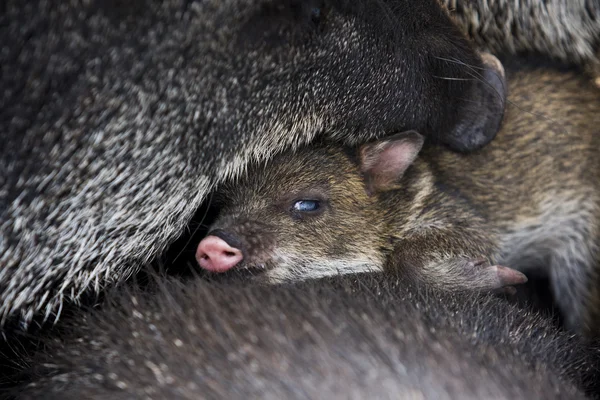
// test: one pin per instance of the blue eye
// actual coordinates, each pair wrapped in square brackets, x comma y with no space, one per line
[306,205]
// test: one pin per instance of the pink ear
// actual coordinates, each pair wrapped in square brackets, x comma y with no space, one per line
[384,162]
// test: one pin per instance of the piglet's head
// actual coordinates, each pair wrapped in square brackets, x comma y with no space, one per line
[309,214]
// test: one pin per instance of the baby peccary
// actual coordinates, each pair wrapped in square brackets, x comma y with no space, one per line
[348,337]
[532,197]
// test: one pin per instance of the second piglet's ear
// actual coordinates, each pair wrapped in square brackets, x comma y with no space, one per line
[384,162]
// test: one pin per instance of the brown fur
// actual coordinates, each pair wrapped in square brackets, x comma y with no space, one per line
[530,198]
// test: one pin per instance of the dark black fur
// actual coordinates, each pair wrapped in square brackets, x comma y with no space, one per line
[346,337]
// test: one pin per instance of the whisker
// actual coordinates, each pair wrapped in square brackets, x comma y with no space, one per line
[447,78]
[457,61]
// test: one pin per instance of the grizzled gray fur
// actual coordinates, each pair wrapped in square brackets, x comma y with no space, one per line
[117,118]
[350,337]
[567,30]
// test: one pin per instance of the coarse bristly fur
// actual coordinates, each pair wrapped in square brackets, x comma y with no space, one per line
[117,118]
[347,337]
[566,30]
[530,198]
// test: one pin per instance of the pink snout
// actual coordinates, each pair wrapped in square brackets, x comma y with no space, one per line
[215,255]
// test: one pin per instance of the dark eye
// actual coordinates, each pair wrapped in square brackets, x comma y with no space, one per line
[315,15]
[306,205]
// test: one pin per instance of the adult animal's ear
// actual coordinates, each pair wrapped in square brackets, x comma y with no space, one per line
[384,162]
[480,118]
